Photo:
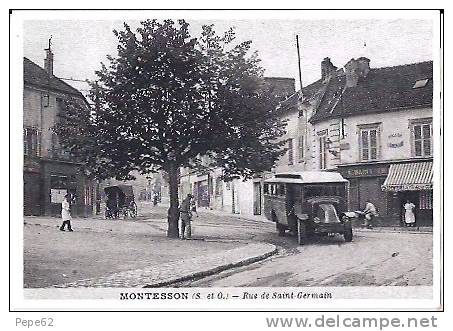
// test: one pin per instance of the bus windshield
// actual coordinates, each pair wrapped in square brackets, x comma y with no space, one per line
[327,213]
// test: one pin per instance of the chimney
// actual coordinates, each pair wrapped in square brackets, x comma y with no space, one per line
[48,61]
[356,69]
[364,66]
[327,69]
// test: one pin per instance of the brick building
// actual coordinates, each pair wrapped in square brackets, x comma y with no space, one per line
[49,170]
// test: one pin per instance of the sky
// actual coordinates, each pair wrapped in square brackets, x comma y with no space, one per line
[80,46]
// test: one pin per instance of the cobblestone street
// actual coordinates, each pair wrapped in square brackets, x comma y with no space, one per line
[372,259]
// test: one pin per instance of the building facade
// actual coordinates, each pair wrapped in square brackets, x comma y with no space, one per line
[49,170]
[236,196]
[374,125]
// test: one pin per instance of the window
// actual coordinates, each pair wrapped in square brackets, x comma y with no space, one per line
[369,143]
[281,189]
[301,148]
[290,152]
[32,142]
[420,83]
[422,138]
[45,100]
[322,152]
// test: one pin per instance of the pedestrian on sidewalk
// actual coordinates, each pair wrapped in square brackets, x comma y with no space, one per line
[193,207]
[186,217]
[409,215]
[66,212]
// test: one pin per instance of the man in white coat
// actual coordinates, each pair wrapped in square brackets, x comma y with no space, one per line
[66,212]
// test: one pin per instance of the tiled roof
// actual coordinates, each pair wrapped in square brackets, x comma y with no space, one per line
[383,89]
[308,92]
[37,76]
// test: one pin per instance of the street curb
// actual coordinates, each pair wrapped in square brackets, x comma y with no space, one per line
[212,271]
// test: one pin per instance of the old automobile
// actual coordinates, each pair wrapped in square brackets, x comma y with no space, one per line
[308,203]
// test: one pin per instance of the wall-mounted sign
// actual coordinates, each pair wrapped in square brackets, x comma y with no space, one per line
[396,145]
[322,132]
[395,135]
[344,146]
[57,195]
[395,140]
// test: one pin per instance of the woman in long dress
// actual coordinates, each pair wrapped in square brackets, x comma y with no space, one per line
[66,213]
[409,216]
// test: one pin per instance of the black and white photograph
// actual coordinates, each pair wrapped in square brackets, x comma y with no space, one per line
[226,160]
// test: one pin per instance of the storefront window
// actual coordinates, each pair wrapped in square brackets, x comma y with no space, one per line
[426,200]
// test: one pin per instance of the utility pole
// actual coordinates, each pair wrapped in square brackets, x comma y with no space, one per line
[298,60]
[305,133]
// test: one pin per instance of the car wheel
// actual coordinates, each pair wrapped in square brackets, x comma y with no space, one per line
[301,232]
[348,234]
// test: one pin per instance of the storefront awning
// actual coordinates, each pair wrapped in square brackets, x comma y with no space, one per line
[415,176]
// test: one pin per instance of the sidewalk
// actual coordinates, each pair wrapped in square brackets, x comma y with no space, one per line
[117,253]
[257,218]
[187,269]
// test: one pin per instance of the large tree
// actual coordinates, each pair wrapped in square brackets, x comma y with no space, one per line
[167,98]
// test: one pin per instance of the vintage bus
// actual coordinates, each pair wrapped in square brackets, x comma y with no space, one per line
[308,203]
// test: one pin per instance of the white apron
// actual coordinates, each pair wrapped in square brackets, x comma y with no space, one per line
[65,212]
[409,216]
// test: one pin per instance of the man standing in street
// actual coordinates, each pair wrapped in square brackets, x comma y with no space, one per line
[186,217]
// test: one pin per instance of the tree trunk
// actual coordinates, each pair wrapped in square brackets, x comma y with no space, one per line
[173,211]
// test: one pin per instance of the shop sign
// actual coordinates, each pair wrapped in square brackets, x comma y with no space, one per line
[367,171]
[407,187]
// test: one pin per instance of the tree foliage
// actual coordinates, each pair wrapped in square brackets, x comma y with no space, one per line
[167,98]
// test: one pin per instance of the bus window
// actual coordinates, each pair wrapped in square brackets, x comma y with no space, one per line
[281,189]
[273,189]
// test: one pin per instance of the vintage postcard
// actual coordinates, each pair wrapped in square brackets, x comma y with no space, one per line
[226,160]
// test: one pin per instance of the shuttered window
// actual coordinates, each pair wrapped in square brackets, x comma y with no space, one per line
[290,152]
[422,139]
[369,144]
